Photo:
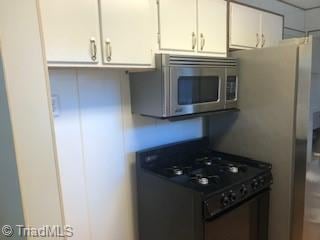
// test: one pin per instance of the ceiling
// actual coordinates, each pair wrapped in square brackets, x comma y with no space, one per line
[305,4]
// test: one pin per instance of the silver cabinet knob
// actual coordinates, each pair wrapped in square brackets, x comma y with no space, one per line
[194,41]
[108,50]
[203,41]
[258,40]
[93,49]
[263,40]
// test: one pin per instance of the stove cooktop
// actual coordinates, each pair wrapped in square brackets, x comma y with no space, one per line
[212,172]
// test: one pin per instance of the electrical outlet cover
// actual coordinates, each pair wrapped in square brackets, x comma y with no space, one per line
[55,105]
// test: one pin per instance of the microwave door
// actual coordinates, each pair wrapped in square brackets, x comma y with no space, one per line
[196,90]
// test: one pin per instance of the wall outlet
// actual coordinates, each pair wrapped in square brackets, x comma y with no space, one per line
[55,105]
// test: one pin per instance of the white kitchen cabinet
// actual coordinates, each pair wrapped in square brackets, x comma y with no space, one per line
[244,26]
[272,29]
[253,28]
[177,25]
[212,26]
[71,30]
[126,32]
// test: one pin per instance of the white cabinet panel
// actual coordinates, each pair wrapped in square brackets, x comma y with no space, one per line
[69,148]
[212,26]
[177,24]
[244,26]
[108,172]
[272,29]
[126,31]
[71,29]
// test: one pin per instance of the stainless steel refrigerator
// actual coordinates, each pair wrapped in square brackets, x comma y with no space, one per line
[278,122]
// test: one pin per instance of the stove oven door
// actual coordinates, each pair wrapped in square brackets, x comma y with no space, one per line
[248,221]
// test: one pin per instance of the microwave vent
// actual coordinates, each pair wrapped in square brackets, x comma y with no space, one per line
[202,61]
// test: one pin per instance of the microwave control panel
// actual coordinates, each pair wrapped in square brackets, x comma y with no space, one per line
[231,88]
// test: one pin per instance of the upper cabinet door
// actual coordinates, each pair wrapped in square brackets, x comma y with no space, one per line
[272,29]
[71,30]
[126,31]
[212,26]
[244,26]
[178,25]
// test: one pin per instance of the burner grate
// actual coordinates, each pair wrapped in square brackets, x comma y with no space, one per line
[202,177]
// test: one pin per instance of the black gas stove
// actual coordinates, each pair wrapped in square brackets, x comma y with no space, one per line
[213,171]
[186,190]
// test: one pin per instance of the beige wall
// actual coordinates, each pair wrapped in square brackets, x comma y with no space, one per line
[313,19]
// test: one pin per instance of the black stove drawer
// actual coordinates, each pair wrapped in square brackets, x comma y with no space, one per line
[249,221]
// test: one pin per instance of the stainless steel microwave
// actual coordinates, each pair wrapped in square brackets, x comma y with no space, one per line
[183,85]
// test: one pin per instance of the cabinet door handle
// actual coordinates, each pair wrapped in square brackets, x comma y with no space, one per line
[93,49]
[258,40]
[263,40]
[203,41]
[194,41]
[108,50]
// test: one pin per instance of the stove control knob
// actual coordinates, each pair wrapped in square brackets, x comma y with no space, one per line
[225,201]
[243,190]
[255,184]
[261,181]
[232,196]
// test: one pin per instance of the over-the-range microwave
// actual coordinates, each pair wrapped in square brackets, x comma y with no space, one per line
[183,85]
